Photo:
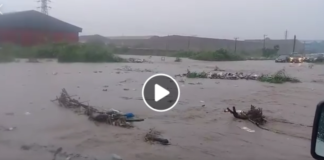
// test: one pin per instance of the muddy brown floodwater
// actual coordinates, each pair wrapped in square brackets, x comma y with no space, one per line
[196,132]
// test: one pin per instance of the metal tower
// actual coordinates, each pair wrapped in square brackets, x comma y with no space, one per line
[44,6]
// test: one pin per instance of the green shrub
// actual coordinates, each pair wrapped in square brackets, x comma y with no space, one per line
[63,52]
[4,57]
[86,53]
[279,77]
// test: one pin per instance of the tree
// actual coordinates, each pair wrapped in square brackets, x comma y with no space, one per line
[270,52]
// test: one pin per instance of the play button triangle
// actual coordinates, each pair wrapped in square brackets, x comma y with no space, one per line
[160,92]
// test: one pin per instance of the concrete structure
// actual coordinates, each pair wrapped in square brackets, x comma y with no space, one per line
[30,28]
[198,43]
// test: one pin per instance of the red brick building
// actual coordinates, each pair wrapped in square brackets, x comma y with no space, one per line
[30,28]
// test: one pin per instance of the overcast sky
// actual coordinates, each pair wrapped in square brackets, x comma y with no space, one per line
[246,19]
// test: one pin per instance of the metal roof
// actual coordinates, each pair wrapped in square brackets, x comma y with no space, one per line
[35,20]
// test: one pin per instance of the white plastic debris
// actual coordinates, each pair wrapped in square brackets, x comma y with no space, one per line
[10,128]
[248,129]
[116,157]
[239,111]
[115,110]
[27,113]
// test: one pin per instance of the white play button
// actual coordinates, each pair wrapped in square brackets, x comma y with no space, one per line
[159,92]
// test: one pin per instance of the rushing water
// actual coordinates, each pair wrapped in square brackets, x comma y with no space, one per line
[195,132]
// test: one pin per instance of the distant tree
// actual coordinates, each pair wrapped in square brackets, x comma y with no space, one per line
[271,52]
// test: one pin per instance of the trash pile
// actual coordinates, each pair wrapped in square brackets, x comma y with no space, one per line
[130,69]
[137,60]
[221,75]
[112,116]
[254,115]
[155,136]
[278,77]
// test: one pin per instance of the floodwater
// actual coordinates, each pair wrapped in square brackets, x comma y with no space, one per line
[195,132]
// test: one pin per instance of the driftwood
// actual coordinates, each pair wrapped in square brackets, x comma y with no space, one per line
[254,115]
[155,136]
[111,117]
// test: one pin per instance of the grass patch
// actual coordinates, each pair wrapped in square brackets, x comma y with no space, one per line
[5,56]
[218,55]
[196,74]
[279,78]
[86,53]
[64,52]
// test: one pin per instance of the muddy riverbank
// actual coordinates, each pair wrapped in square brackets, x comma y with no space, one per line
[195,132]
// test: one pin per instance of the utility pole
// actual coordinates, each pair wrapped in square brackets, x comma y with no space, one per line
[264,39]
[235,44]
[188,47]
[294,44]
[286,35]
[44,6]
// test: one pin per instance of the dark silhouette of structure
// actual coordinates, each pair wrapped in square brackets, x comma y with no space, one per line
[28,28]
[44,6]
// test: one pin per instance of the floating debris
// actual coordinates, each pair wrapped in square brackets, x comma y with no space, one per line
[138,60]
[178,59]
[116,157]
[310,66]
[247,129]
[278,77]
[32,60]
[112,116]
[129,69]
[221,75]
[254,115]
[155,136]
[218,69]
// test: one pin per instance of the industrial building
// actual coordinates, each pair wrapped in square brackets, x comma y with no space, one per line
[29,28]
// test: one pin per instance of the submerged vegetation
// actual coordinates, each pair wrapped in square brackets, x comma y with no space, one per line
[218,55]
[5,57]
[62,51]
[278,77]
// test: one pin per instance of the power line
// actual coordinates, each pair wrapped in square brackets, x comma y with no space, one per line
[44,6]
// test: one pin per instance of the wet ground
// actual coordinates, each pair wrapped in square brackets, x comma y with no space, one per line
[195,132]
